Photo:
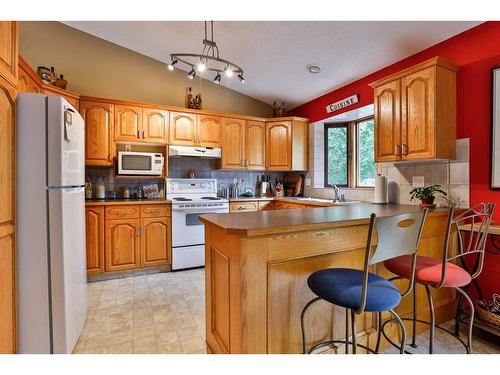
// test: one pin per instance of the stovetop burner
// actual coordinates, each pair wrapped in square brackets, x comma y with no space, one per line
[211,198]
[181,199]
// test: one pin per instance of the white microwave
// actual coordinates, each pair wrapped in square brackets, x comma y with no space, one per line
[140,163]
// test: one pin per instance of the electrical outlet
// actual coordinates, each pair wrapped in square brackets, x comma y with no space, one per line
[418,181]
[308,182]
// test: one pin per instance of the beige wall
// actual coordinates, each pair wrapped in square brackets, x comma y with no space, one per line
[95,67]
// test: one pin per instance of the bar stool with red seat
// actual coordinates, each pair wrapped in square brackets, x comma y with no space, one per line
[443,273]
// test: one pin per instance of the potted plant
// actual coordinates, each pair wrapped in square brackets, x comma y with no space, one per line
[427,195]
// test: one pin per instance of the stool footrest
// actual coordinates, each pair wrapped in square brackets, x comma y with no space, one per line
[330,342]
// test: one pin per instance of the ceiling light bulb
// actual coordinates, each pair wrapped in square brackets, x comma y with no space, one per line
[171,66]
[201,67]
[191,74]
[313,69]
[242,79]
[228,72]
[217,78]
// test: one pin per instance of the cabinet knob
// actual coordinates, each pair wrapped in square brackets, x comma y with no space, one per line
[404,149]
[139,134]
[397,150]
[143,134]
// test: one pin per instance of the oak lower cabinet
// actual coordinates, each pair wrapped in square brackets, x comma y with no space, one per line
[94,234]
[129,236]
[99,128]
[287,145]
[415,113]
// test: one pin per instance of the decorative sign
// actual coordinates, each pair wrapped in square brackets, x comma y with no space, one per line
[342,104]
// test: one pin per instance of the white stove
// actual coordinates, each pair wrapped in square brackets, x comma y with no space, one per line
[190,198]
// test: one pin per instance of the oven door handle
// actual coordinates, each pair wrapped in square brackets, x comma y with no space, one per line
[222,210]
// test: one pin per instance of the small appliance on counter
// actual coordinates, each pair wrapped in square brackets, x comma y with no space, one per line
[140,163]
[294,185]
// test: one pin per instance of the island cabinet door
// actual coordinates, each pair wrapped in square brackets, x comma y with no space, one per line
[155,241]
[94,234]
[418,115]
[255,145]
[122,244]
[279,146]
[155,125]
[388,122]
[128,123]
[99,145]
[233,144]
[182,129]
[208,131]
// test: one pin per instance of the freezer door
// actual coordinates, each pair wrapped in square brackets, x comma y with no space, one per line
[65,141]
[68,266]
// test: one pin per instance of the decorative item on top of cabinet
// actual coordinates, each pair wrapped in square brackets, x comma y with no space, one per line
[208,130]
[183,129]
[94,234]
[128,123]
[415,112]
[233,144]
[99,145]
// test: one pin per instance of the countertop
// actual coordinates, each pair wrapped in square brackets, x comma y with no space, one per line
[285,221]
[112,202]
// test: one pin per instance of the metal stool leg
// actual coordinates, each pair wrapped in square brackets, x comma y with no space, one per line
[353,328]
[403,331]
[379,333]
[346,331]
[471,320]
[414,323]
[302,322]
[432,321]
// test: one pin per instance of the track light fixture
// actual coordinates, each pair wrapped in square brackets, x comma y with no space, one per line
[171,66]
[242,79]
[217,78]
[191,74]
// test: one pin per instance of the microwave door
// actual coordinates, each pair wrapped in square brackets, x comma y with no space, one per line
[136,164]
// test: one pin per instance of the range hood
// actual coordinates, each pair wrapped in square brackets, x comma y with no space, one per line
[200,152]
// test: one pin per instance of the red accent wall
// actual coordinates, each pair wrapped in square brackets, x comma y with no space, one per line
[477,51]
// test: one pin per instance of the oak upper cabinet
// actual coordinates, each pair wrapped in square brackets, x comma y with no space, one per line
[128,123]
[155,241]
[94,234]
[388,119]
[208,131]
[415,113]
[9,43]
[287,145]
[255,145]
[233,144]
[183,129]
[122,244]
[155,125]
[99,145]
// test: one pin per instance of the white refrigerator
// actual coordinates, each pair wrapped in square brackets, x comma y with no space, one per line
[51,262]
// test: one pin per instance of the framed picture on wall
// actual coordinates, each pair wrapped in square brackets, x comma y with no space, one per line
[495,133]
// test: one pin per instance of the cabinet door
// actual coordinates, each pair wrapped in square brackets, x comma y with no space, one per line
[99,145]
[233,144]
[255,145]
[418,115]
[155,241]
[208,131]
[7,209]
[8,51]
[122,244]
[155,125]
[388,122]
[94,232]
[279,146]
[182,129]
[128,123]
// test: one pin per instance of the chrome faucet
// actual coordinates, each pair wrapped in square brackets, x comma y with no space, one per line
[337,193]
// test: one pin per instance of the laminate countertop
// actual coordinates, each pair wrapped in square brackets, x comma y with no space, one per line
[114,202]
[284,221]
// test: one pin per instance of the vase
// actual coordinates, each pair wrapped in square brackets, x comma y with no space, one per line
[427,202]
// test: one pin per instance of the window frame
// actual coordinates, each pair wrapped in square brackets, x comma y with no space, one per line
[325,153]
[352,152]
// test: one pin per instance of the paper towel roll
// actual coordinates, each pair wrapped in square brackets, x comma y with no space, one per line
[380,189]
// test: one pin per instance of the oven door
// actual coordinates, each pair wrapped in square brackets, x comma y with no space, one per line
[187,229]
[135,163]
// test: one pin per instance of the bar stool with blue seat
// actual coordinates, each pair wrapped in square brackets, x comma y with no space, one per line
[471,230]
[361,291]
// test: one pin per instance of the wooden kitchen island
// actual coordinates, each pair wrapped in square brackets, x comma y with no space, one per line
[257,264]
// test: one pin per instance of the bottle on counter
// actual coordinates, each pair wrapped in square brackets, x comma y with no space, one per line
[100,189]
[88,189]
[125,192]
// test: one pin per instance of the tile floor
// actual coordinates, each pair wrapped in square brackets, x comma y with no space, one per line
[164,313]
